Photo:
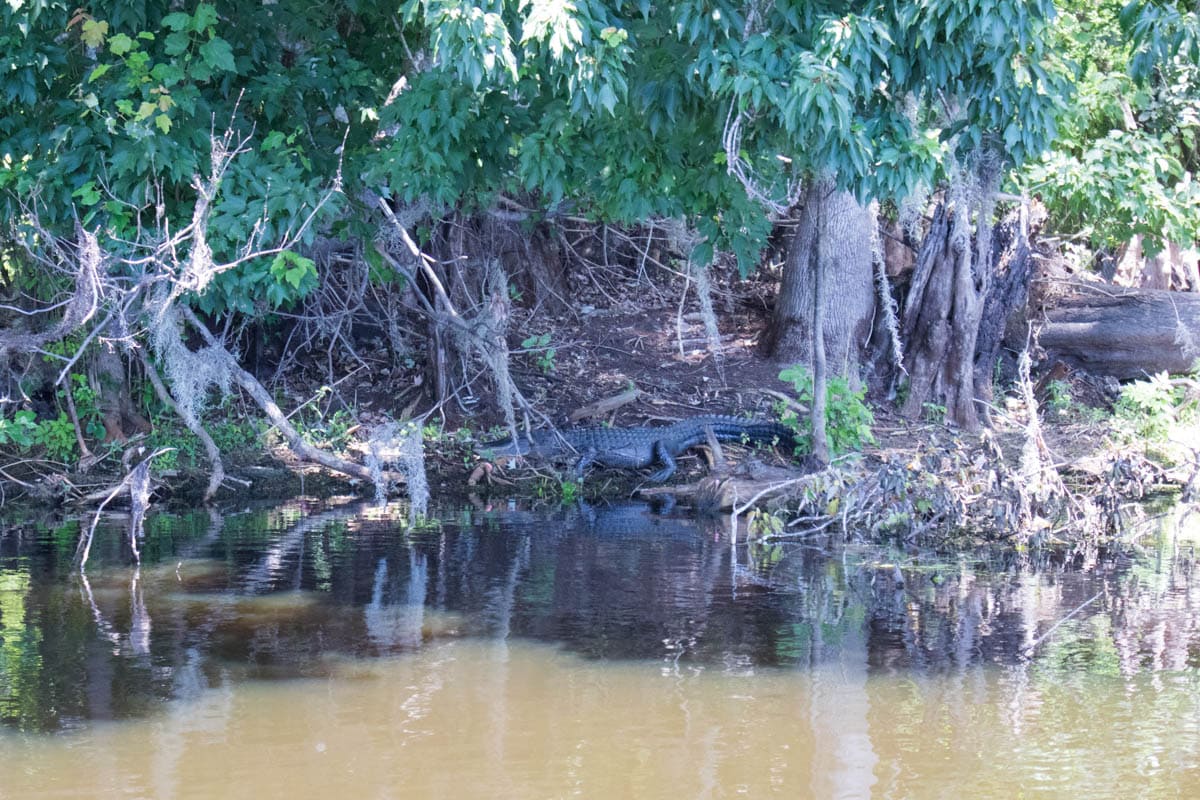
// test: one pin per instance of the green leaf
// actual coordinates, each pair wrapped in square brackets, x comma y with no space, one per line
[176,43]
[167,74]
[200,71]
[88,194]
[205,18]
[608,98]
[120,44]
[179,21]
[217,53]
[93,32]
[289,267]
[99,71]
[163,122]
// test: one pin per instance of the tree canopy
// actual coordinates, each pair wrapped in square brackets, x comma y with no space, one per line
[1128,150]
[613,110]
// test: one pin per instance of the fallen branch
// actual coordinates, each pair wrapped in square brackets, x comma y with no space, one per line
[138,481]
[607,404]
[81,307]
[262,397]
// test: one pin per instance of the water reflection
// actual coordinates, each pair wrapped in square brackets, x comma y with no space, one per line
[611,650]
[400,621]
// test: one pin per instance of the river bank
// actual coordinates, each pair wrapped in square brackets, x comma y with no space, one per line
[1065,457]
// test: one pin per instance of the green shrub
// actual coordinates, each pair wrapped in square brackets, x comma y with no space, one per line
[848,418]
[19,431]
[1152,409]
[58,437]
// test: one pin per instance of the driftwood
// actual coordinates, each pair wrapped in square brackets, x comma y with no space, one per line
[1125,333]
[726,492]
[605,405]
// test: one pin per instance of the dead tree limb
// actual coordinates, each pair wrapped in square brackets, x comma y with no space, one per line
[81,307]
[262,397]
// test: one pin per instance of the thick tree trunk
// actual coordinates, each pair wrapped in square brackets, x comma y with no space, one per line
[1125,333]
[942,317]
[1008,297]
[844,228]
[820,441]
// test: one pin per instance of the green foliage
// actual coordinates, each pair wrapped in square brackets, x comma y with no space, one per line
[540,345]
[231,435]
[57,436]
[91,419]
[18,431]
[181,445]
[1154,409]
[141,89]
[185,451]
[848,418]
[761,523]
[457,103]
[1129,144]
[332,431]
[1119,186]
[934,412]
[832,77]
[606,111]
[1058,397]
[1163,32]
[568,491]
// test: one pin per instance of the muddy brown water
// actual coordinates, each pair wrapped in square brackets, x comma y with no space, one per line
[600,652]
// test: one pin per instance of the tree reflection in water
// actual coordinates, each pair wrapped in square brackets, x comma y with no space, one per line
[284,592]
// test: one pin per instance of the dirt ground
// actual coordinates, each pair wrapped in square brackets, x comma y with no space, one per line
[650,335]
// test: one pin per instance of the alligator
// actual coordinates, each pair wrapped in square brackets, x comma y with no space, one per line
[636,448]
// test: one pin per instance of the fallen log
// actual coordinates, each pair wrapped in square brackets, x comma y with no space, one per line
[1125,333]
[724,492]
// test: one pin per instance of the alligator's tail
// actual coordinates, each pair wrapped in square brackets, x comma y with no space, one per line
[736,429]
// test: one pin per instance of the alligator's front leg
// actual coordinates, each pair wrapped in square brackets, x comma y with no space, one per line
[586,459]
[663,456]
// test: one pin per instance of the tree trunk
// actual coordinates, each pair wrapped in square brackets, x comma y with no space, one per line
[820,441]
[1173,267]
[844,228]
[943,312]
[1125,333]
[1008,297]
